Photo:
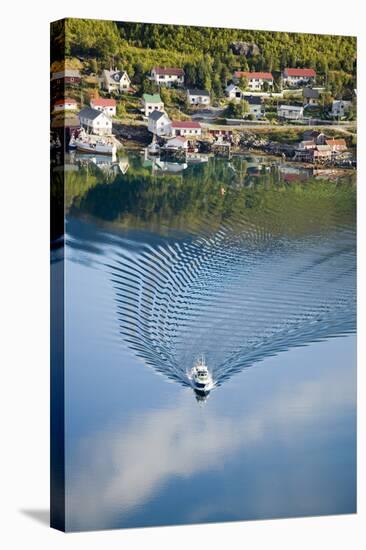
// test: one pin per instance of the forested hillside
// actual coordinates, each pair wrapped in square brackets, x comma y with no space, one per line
[207,54]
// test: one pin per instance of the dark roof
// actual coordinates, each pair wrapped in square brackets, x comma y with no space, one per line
[311,134]
[90,113]
[198,92]
[155,115]
[67,73]
[253,99]
[310,93]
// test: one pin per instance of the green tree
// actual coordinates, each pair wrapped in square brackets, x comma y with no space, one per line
[121,109]
[243,83]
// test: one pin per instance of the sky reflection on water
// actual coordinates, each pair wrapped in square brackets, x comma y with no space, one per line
[273,303]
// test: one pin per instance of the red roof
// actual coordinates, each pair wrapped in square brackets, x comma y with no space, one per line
[246,74]
[102,102]
[336,142]
[169,71]
[66,100]
[185,124]
[310,73]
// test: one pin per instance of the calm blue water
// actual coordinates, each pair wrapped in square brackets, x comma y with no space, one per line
[154,279]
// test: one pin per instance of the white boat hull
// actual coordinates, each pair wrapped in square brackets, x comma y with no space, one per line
[96,148]
[201,379]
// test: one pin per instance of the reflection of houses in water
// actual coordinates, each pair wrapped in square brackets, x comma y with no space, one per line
[162,164]
[108,164]
[248,170]
[169,167]
[197,158]
[292,174]
[67,167]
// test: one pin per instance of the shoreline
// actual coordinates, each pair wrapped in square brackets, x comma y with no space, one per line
[137,136]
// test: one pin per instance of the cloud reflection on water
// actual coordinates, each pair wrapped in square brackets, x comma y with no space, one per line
[120,470]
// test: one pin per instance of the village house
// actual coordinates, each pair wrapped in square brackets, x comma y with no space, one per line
[150,103]
[115,81]
[233,92]
[107,106]
[67,104]
[168,76]
[337,145]
[318,138]
[94,121]
[256,80]
[255,105]
[187,128]
[310,96]
[290,112]
[297,77]
[306,145]
[311,139]
[159,123]
[67,77]
[340,108]
[322,152]
[308,151]
[198,97]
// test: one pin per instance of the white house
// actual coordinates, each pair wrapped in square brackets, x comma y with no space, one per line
[151,102]
[198,97]
[255,105]
[310,96]
[256,80]
[340,108]
[297,77]
[107,106]
[178,142]
[233,92]
[167,76]
[67,104]
[115,81]
[159,123]
[306,145]
[290,112]
[187,128]
[94,121]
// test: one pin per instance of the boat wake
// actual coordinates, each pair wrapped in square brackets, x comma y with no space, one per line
[236,297]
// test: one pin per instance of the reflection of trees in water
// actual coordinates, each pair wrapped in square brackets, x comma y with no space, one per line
[206,197]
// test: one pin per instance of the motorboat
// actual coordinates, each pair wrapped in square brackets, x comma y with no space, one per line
[87,143]
[201,378]
[153,149]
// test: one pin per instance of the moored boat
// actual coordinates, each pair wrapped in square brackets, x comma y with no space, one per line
[86,143]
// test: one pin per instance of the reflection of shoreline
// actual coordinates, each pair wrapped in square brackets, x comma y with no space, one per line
[163,196]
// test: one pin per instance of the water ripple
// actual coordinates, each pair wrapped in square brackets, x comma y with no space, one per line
[234,296]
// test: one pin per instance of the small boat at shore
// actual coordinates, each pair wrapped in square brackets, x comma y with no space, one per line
[153,149]
[86,143]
